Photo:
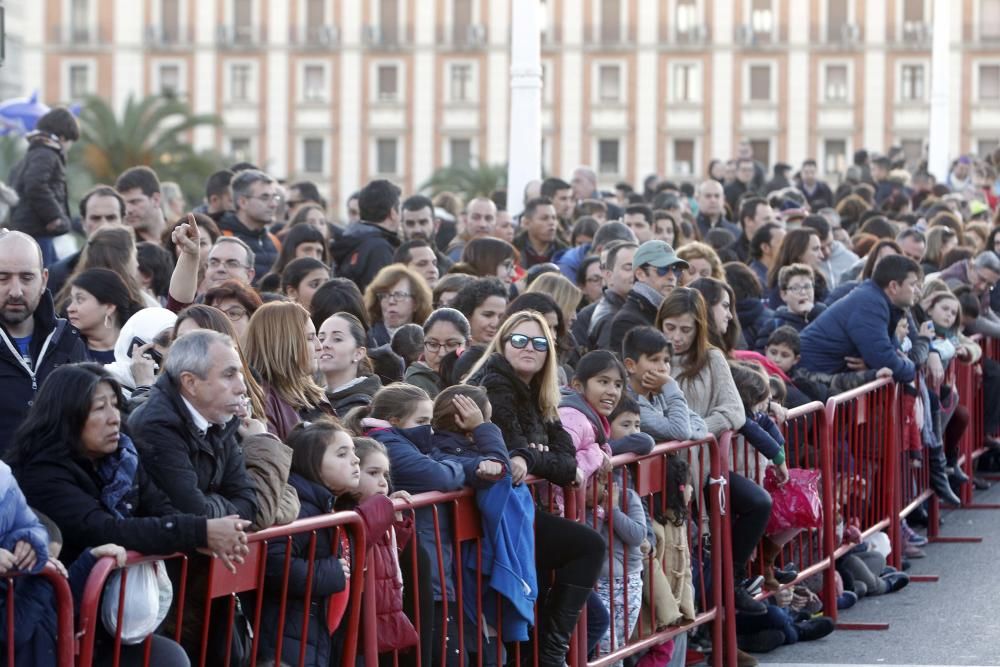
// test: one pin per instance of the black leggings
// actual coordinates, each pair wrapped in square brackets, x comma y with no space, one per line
[750,506]
[571,550]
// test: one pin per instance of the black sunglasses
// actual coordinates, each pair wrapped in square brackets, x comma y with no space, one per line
[520,341]
[662,271]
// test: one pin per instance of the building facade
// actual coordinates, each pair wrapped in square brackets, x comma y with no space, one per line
[340,91]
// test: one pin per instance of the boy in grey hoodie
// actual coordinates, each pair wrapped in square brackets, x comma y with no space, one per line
[663,410]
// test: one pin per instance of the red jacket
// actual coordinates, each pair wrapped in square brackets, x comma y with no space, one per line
[394,629]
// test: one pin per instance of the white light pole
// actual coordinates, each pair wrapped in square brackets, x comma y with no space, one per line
[937,150]
[525,138]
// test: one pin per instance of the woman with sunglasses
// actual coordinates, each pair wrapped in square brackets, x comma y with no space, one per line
[702,373]
[519,371]
[446,332]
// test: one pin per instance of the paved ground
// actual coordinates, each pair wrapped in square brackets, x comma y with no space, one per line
[955,621]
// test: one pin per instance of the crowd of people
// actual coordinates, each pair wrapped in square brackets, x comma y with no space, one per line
[186,377]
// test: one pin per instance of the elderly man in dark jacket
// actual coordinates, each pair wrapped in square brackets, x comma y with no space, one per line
[657,270]
[33,340]
[858,326]
[186,430]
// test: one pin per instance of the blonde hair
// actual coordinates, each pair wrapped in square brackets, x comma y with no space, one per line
[548,377]
[561,289]
[423,300]
[699,250]
[277,349]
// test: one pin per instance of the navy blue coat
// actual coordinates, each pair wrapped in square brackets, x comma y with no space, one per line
[856,326]
[784,317]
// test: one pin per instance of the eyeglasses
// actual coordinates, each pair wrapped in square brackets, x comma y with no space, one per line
[662,271]
[449,346]
[508,264]
[807,287]
[392,296]
[236,313]
[520,341]
[267,199]
[231,264]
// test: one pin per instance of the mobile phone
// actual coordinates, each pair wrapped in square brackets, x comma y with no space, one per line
[154,355]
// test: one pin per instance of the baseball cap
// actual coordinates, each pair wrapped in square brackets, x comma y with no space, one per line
[656,253]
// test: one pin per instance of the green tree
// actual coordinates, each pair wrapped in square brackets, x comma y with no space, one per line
[468,181]
[152,131]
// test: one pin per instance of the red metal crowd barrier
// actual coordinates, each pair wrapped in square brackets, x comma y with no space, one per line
[205,589]
[62,600]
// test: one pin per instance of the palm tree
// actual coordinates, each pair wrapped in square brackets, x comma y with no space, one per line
[152,131]
[468,181]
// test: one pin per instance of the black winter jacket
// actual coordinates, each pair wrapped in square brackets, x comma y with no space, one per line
[201,474]
[53,344]
[65,486]
[784,317]
[363,249]
[40,181]
[516,412]
[355,396]
[753,316]
[265,245]
[637,312]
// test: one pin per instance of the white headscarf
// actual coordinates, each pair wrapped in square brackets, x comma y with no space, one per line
[146,325]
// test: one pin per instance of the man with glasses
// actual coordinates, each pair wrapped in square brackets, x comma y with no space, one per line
[229,259]
[255,195]
[657,270]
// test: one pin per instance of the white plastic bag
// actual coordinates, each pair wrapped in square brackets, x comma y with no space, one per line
[148,595]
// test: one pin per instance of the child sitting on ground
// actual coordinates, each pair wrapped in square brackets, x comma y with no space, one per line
[782,350]
[662,407]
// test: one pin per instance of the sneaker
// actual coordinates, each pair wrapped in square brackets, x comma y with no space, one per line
[896,580]
[911,536]
[753,584]
[787,574]
[847,599]
[745,604]
[913,551]
[815,628]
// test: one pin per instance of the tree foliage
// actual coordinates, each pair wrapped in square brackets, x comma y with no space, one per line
[467,181]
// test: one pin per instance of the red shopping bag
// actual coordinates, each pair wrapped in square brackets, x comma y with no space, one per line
[795,504]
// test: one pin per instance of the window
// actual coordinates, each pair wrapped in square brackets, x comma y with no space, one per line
[170,21]
[389,15]
[684,157]
[835,152]
[760,83]
[913,151]
[913,12]
[989,83]
[242,21]
[388,83]
[608,156]
[315,21]
[986,147]
[170,79]
[461,89]
[686,85]
[762,19]
[611,21]
[79,16]
[686,19]
[385,156]
[836,83]
[312,156]
[548,84]
[240,149]
[761,151]
[911,85]
[460,151]
[240,83]
[461,21]
[79,81]
[609,83]
[314,83]
[836,19]
[989,19]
